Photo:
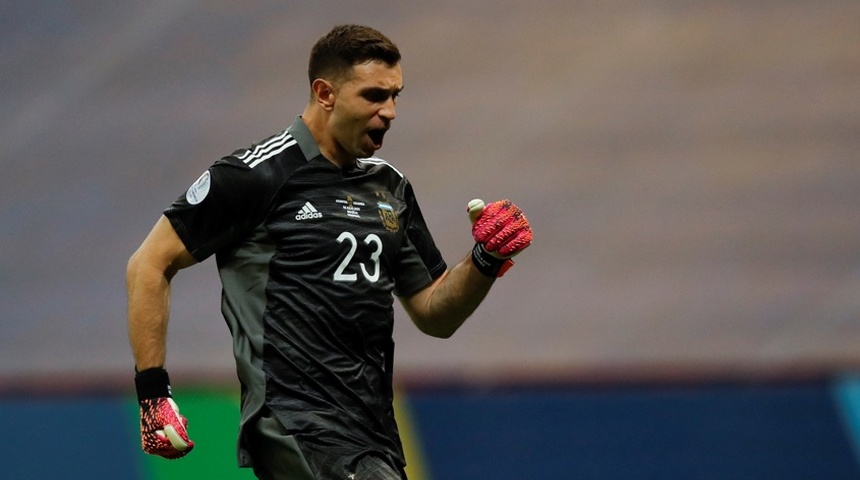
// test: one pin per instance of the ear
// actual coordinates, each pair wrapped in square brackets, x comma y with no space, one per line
[324,94]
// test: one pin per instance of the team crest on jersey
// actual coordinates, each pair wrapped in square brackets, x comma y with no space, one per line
[388,216]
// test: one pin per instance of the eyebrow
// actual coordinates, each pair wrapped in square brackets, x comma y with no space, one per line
[382,89]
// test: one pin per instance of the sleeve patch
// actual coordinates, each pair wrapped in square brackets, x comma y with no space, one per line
[199,189]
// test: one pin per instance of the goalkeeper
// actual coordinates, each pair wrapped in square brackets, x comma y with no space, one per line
[313,236]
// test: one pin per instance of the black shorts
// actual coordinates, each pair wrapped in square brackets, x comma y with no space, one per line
[277,455]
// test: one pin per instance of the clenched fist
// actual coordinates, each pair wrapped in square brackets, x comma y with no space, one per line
[501,231]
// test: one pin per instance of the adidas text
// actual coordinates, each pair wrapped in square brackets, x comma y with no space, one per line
[307,216]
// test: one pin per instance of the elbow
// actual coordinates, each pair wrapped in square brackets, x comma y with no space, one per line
[442,334]
[143,262]
[138,264]
[438,329]
[132,267]
[434,314]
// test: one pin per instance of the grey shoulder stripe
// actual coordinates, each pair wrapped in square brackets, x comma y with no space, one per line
[264,151]
[271,153]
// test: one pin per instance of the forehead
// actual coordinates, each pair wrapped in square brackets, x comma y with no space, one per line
[376,74]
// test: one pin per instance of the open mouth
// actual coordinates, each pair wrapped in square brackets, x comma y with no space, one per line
[376,135]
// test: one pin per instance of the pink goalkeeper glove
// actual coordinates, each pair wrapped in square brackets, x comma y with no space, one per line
[162,429]
[501,231]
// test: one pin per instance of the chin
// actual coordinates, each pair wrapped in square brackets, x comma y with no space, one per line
[368,152]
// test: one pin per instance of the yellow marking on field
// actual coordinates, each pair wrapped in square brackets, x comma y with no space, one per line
[409,434]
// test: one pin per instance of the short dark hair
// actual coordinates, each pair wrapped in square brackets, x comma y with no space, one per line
[333,56]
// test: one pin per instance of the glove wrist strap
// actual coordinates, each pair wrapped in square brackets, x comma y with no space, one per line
[489,264]
[152,383]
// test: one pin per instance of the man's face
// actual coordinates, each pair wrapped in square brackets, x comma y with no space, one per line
[365,107]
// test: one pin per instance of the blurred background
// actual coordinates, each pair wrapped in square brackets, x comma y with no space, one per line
[690,307]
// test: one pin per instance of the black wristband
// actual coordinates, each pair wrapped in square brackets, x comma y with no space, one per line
[487,263]
[152,383]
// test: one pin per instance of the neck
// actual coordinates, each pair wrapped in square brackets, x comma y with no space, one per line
[317,120]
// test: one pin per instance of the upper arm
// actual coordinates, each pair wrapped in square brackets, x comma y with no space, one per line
[417,306]
[148,275]
[416,303]
[163,250]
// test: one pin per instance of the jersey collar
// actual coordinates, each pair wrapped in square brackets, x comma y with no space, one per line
[300,132]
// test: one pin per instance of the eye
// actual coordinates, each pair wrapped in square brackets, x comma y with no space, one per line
[375,95]
[380,95]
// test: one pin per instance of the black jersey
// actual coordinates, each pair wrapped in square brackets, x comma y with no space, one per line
[309,255]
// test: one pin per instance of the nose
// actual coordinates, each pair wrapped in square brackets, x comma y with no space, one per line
[388,111]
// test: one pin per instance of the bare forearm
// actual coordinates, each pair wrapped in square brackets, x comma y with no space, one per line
[441,309]
[148,307]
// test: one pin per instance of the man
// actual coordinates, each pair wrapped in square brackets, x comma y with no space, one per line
[312,236]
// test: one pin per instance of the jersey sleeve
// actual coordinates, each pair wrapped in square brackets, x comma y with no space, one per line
[421,262]
[223,205]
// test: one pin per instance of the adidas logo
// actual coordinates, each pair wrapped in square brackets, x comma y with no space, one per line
[308,212]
